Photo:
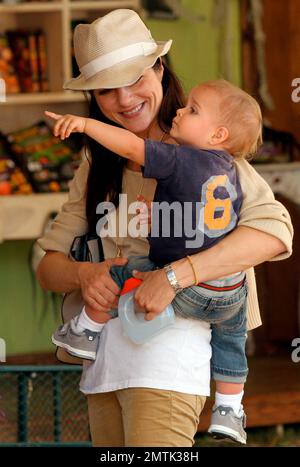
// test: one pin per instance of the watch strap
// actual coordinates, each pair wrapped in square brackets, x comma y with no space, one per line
[172,278]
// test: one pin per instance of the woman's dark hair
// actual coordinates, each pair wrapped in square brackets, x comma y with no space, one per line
[106,168]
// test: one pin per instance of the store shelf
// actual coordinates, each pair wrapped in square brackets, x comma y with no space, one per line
[90,5]
[55,18]
[34,7]
[40,7]
[43,97]
[24,217]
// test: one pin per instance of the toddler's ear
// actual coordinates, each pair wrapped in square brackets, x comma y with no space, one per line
[220,135]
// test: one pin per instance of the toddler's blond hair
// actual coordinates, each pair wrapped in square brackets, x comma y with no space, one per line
[240,113]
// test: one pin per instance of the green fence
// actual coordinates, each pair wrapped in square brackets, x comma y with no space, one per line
[42,405]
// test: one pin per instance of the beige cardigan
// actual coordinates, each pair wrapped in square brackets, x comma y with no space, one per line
[259,211]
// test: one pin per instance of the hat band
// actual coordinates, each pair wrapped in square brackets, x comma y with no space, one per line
[140,49]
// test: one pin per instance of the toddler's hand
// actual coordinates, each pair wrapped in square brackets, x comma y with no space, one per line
[66,124]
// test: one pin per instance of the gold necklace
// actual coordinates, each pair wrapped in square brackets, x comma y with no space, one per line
[163,137]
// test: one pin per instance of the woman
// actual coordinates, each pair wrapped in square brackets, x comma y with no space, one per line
[152,394]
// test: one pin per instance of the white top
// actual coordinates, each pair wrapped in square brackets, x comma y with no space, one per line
[178,359]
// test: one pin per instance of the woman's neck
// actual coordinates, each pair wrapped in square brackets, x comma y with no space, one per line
[153,132]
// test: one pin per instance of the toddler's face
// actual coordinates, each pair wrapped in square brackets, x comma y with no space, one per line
[196,123]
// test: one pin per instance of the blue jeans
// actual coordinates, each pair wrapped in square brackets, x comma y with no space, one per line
[225,311]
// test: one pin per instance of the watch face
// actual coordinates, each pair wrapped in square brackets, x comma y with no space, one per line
[172,278]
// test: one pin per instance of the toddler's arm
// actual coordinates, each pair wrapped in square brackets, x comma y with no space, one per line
[118,140]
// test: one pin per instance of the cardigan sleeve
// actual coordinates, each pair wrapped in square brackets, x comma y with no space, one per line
[71,220]
[261,211]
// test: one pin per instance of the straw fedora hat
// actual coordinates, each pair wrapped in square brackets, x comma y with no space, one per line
[114,51]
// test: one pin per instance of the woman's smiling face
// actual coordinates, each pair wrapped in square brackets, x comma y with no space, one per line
[134,107]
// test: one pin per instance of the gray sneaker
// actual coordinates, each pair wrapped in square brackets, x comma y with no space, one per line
[226,424]
[81,344]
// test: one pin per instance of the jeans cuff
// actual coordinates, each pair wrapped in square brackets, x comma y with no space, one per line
[229,378]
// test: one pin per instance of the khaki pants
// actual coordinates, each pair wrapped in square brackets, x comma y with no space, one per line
[144,417]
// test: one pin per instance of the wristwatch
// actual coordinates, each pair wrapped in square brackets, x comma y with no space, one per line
[172,278]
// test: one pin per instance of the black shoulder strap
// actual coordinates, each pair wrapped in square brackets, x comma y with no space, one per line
[87,247]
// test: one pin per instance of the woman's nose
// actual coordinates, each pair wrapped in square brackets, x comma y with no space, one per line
[179,112]
[124,95]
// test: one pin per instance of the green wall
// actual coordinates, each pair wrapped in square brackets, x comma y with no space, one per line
[195,56]
[197,44]
[23,328]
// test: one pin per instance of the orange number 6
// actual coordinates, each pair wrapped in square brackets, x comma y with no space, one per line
[213,204]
